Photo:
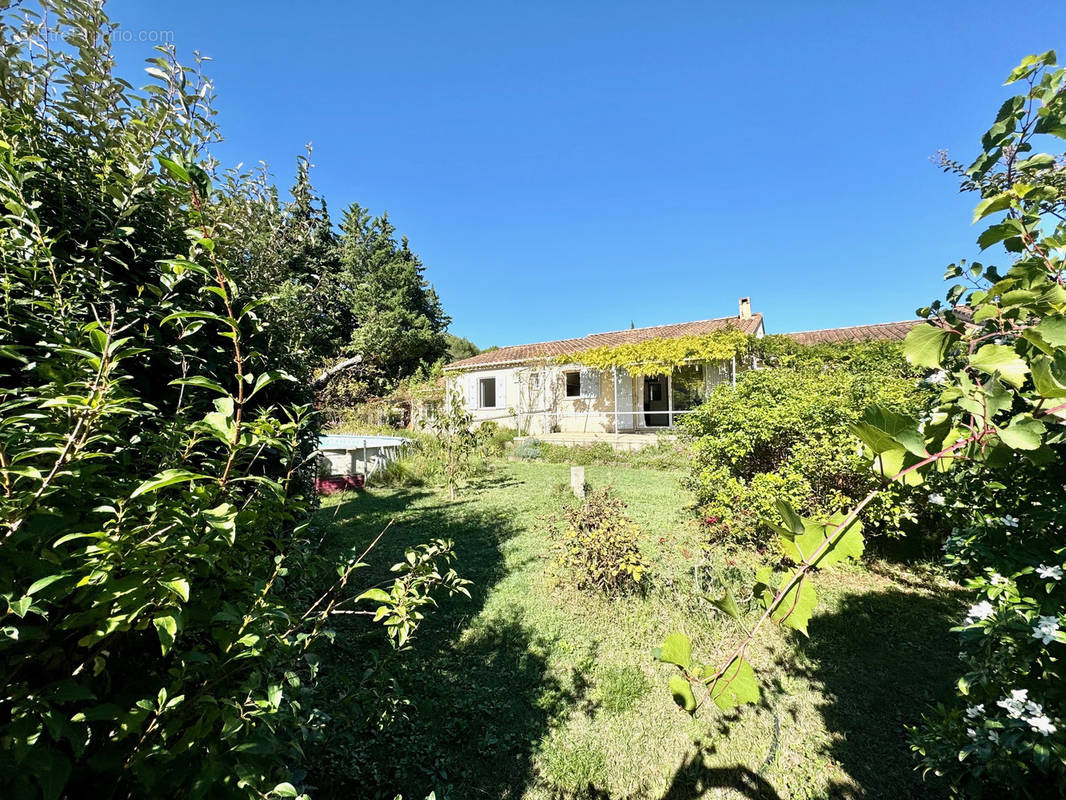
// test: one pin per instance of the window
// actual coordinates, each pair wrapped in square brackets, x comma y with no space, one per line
[487,393]
[688,385]
[573,383]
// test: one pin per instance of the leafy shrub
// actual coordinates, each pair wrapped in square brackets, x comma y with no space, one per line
[404,472]
[581,455]
[782,432]
[1013,690]
[492,438]
[663,455]
[529,449]
[423,462]
[599,545]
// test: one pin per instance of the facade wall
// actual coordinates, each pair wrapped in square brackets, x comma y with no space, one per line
[532,398]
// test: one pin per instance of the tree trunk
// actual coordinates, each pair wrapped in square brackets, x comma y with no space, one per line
[323,377]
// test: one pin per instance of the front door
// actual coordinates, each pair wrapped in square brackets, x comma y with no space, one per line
[656,399]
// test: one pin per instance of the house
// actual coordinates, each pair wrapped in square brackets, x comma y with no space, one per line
[545,389]
[535,388]
[857,333]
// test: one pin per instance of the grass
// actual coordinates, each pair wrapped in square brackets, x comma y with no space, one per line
[533,690]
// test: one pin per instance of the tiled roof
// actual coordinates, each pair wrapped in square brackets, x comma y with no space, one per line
[527,352]
[857,333]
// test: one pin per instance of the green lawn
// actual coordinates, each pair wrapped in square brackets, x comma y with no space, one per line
[533,690]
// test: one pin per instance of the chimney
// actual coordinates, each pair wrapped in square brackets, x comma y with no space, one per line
[745,308]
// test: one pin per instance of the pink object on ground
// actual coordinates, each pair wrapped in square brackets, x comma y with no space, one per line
[338,483]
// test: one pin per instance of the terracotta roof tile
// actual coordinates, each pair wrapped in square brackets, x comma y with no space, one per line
[857,333]
[528,352]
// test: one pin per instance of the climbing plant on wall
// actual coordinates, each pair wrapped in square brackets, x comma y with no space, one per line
[656,356]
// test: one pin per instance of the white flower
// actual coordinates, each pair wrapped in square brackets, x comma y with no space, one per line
[982,610]
[1010,522]
[1052,572]
[975,711]
[937,377]
[993,736]
[1045,629]
[999,580]
[937,499]
[1041,724]
[971,733]
[1015,704]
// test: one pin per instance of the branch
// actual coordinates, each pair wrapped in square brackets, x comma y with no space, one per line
[324,377]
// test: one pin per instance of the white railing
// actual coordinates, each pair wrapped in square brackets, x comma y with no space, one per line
[523,419]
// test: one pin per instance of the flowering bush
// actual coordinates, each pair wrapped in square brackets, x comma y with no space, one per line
[1010,549]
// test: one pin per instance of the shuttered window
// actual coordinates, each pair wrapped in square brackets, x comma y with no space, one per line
[487,393]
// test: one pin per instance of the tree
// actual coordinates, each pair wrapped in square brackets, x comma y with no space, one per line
[453,425]
[399,322]
[460,347]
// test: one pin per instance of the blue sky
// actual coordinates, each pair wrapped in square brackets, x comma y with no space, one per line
[565,168]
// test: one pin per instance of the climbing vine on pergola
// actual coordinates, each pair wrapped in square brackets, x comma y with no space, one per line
[656,356]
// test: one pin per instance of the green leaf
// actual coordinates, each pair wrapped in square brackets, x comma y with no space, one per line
[677,649]
[51,771]
[223,518]
[1049,375]
[1007,229]
[726,604]
[802,549]
[377,595]
[199,380]
[999,202]
[197,315]
[882,429]
[285,790]
[737,685]
[1023,433]
[274,695]
[792,520]
[44,582]
[1052,330]
[1039,161]
[928,345]
[178,586]
[167,628]
[1002,360]
[891,463]
[167,477]
[20,607]
[796,606]
[681,690]
[267,378]
[176,170]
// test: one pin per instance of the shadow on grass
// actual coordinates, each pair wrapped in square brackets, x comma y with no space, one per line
[695,778]
[478,695]
[882,660]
